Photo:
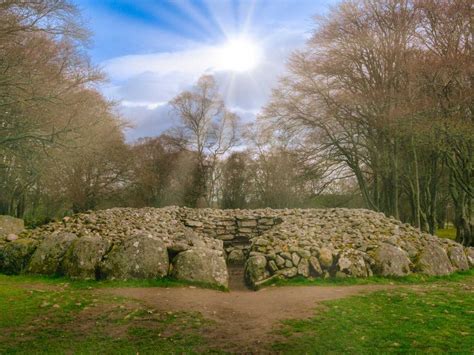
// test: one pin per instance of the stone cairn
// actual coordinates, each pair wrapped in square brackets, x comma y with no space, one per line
[198,244]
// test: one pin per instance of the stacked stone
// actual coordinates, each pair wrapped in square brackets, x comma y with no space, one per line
[234,227]
[120,243]
[350,243]
[194,244]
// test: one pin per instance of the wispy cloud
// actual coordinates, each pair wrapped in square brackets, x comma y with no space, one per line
[151,51]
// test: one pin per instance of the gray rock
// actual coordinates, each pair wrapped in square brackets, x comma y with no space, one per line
[247,223]
[286,255]
[192,223]
[201,265]
[303,268]
[315,268]
[236,256]
[352,263]
[83,258]
[272,266]
[140,256]
[11,237]
[458,258]
[14,256]
[325,258]
[433,260]
[469,251]
[305,254]
[10,225]
[255,270]
[47,257]
[261,242]
[288,273]
[390,260]
[295,258]
[279,261]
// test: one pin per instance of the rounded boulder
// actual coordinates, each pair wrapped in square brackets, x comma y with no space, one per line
[201,265]
[141,256]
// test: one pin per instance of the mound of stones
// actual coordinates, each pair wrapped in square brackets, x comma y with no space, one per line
[117,244]
[197,244]
[350,243]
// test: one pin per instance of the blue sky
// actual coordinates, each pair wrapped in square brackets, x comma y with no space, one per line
[152,50]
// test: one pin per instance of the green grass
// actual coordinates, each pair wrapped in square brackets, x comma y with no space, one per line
[439,319]
[88,284]
[53,318]
[58,316]
[405,280]
[449,233]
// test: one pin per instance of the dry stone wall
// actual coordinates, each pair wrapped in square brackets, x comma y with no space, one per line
[236,228]
[197,244]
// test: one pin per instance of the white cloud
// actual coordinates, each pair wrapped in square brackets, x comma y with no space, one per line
[147,105]
[144,83]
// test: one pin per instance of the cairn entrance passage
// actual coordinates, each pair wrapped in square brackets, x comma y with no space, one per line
[236,228]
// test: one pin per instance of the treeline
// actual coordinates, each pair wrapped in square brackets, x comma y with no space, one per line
[61,143]
[376,112]
[384,89]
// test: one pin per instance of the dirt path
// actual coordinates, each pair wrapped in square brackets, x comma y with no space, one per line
[244,319]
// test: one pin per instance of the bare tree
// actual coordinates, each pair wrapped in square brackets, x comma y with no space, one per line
[206,128]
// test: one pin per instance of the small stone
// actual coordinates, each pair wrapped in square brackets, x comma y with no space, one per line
[279,261]
[325,258]
[303,268]
[236,256]
[272,266]
[295,258]
[261,242]
[192,223]
[305,254]
[315,268]
[11,237]
[288,273]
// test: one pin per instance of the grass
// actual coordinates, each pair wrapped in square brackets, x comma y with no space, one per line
[54,315]
[48,317]
[449,233]
[439,319]
[405,280]
[88,284]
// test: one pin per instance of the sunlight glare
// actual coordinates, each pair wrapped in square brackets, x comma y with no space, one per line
[239,55]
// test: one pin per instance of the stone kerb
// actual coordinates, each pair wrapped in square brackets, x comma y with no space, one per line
[195,244]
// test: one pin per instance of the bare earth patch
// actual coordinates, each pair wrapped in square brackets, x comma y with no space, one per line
[243,320]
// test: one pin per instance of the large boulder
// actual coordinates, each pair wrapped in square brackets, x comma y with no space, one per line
[457,257]
[470,256]
[255,270]
[14,256]
[47,257]
[390,260]
[201,265]
[352,263]
[83,258]
[10,225]
[236,256]
[140,256]
[433,261]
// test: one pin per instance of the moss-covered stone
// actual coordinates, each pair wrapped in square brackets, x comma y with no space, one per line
[15,255]
[141,256]
[48,256]
[201,265]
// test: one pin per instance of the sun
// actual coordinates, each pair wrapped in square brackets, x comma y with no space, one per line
[239,55]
